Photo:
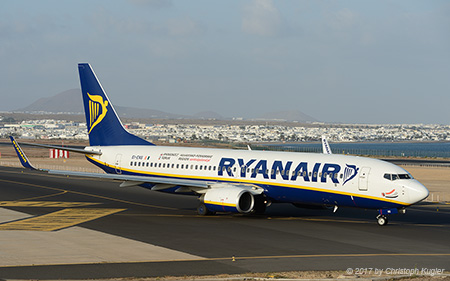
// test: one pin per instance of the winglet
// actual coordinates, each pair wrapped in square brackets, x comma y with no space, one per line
[22,157]
[326,149]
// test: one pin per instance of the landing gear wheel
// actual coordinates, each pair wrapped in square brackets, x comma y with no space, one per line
[382,220]
[203,211]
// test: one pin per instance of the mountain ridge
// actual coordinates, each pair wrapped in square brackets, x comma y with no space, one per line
[70,102]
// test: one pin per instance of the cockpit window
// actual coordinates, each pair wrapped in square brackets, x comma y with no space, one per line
[405,176]
[394,177]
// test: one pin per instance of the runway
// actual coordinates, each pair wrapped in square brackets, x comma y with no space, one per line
[73,228]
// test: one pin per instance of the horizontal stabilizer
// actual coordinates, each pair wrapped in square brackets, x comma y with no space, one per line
[76,150]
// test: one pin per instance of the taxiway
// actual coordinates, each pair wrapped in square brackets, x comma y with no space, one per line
[54,227]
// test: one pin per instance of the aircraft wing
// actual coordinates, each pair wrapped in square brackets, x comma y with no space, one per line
[134,180]
[22,157]
[185,185]
[159,183]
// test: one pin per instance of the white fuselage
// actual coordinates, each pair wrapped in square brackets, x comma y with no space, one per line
[304,178]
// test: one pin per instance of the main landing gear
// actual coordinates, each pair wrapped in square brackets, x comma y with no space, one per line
[202,210]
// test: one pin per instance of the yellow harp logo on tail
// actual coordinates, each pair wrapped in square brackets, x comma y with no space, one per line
[97,110]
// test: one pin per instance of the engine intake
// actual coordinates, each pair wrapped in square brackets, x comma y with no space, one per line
[229,199]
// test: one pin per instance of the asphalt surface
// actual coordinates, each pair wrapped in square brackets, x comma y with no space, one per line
[285,238]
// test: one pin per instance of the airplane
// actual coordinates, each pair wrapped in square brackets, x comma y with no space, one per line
[326,149]
[236,181]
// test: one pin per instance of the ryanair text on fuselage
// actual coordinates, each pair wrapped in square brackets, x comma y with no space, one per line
[279,170]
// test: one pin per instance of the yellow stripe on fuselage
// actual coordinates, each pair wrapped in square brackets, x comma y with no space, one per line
[144,173]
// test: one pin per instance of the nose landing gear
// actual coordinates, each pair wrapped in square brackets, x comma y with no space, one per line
[382,220]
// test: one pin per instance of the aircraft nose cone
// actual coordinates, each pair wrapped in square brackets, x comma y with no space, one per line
[417,192]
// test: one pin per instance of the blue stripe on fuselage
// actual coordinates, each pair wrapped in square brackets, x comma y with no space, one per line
[281,192]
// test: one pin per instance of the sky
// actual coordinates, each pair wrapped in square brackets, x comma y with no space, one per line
[355,61]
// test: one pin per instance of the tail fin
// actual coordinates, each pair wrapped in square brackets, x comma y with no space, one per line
[326,149]
[103,123]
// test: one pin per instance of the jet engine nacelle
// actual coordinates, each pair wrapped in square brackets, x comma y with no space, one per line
[229,199]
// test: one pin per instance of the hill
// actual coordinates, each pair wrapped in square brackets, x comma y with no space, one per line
[66,102]
[69,102]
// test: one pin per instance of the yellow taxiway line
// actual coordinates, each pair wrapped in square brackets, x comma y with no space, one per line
[59,220]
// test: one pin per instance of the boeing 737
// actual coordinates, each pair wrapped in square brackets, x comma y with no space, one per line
[240,181]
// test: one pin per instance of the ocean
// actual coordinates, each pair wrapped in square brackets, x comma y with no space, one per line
[402,149]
